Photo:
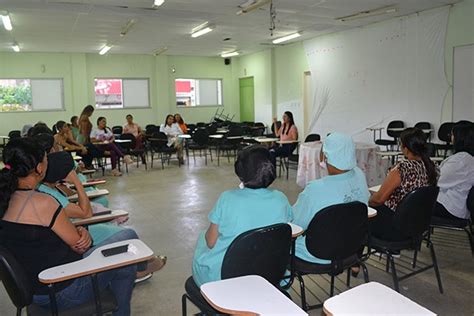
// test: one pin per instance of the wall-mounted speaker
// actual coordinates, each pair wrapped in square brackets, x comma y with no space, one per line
[227,61]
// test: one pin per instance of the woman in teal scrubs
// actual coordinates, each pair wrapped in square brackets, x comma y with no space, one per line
[240,210]
[345,183]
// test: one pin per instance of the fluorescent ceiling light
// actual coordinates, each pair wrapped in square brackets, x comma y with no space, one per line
[286,38]
[16,47]
[368,13]
[230,54]
[127,27]
[157,3]
[7,23]
[252,5]
[105,49]
[160,51]
[202,29]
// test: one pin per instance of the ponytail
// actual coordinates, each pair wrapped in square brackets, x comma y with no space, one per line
[415,141]
[8,185]
[21,156]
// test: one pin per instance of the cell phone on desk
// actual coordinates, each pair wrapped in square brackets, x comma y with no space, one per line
[115,250]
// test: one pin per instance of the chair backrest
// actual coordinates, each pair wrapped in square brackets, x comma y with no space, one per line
[258,131]
[394,124]
[431,148]
[117,130]
[259,124]
[235,130]
[160,140]
[312,138]
[338,231]
[15,280]
[133,141]
[278,124]
[201,137]
[444,132]
[413,214]
[262,251]
[211,129]
[200,124]
[151,129]
[14,134]
[470,201]
[191,128]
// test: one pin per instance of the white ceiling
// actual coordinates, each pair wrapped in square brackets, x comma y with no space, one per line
[87,25]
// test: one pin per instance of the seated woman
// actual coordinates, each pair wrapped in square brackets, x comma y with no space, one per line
[64,138]
[415,171]
[179,120]
[36,230]
[345,183]
[287,133]
[457,175]
[237,211]
[136,131]
[172,130]
[103,135]
[74,126]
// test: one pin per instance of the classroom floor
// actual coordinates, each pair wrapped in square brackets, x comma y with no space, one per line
[168,208]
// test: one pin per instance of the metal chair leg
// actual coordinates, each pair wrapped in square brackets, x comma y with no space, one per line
[348,280]
[394,273]
[304,304]
[183,305]
[365,271]
[331,290]
[435,266]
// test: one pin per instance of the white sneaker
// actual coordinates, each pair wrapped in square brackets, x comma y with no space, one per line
[116,173]
[127,159]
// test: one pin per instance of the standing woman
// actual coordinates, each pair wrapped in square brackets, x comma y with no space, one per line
[172,130]
[179,120]
[104,135]
[287,133]
[36,230]
[85,128]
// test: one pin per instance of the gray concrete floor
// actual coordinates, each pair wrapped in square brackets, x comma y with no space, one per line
[168,208]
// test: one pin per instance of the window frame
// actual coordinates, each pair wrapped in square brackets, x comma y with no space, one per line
[200,106]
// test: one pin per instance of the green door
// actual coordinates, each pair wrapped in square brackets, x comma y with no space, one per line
[247,111]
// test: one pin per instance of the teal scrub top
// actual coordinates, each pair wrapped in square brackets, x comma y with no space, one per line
[318,194]
[236,212]
[98,232]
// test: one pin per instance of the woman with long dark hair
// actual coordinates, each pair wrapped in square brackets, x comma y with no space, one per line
[457,175]
[172,130]
[85,125]
[36,230]
[415,171]
[287,132]
[104,136]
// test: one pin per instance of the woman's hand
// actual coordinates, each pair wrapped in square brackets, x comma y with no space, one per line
[275,120]
[72,177]
[84,243]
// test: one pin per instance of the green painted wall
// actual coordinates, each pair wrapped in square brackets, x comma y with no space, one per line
[247,99]
[79,70]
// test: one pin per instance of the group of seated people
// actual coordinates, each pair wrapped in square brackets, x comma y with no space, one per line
[255,205]
[35,223]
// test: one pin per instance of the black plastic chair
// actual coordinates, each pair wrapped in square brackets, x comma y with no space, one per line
[158,144]
[444,135]
[231,142]
[201,125]
[312,138]
[14,134]
[424,126]
[394,134]
[458,224]
[20,291]
[412,220]
[336,233]
[117,130]
[262,251]
[130,149]
[200,141]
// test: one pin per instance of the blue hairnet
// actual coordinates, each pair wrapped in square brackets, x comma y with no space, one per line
[339,150]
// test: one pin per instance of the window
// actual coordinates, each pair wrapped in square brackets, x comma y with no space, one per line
[121,93]
[15,95]
[198,92]
[22,95]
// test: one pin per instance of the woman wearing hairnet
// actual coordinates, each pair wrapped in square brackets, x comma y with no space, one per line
[345,183]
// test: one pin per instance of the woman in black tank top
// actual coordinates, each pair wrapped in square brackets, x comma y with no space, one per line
[35,229]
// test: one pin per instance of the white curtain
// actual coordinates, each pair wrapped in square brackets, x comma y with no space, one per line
[367,77]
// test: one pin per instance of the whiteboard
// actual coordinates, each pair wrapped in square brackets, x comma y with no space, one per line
[136,93]
[463,83]
[47,94]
